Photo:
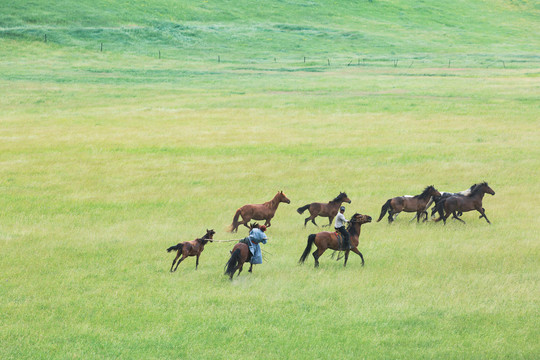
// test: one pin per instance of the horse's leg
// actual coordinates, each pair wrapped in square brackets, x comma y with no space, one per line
[346,258]
[197,262]
[267,222]
[356,251]
[306,220]
[484,215]
[445,216]
[418,213]
[240,268]
[482,211]
[250,268]
[313,221]
[454,214]
[176,258]
[245,221]
[330,218]
[179,261]
[317,254]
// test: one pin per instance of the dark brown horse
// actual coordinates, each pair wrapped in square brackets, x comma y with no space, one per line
[191,248]
[459,203]
[408,204]
[239,255]
[264,211]
[328,210]
[329,240]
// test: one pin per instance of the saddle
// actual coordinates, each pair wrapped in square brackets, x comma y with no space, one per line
[339,239]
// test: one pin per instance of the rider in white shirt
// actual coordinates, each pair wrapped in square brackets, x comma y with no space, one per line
[340,226]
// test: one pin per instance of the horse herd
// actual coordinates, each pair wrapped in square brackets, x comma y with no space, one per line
[446,204]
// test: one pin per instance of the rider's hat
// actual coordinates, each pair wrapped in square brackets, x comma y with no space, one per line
[262,228]
[342,208]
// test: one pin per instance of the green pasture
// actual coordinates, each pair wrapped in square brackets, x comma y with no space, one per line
[109,157]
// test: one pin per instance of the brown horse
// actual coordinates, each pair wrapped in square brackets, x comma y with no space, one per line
[329,240]
[459,203]
[191,248]
[239,255]
[408,204]
[328,210]
[264,211]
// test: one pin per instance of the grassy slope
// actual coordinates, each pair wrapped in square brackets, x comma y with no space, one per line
[107,159]
[284,28]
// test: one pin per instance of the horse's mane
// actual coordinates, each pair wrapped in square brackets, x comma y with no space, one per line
[425,193]
[476,188]
[350,227]
[339,197]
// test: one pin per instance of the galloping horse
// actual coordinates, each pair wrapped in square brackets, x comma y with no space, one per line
[239,255]
[445,195]
[264,211]
[328,210]
[436,199]
[329,240]
[408,204]
[473,201]
[191,248]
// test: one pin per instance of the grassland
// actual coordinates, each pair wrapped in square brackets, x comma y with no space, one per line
[107,158]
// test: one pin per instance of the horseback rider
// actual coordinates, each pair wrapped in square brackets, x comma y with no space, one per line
[340,226]
[256,236]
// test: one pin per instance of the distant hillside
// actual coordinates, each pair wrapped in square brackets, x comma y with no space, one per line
[241,29]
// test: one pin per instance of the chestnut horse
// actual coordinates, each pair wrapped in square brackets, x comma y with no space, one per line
[239,255]
[328,210]
[191,248]
[264,211]
[329,240]
[459,203]
[408,204]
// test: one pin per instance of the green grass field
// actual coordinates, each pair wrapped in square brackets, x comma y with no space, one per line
[109,157]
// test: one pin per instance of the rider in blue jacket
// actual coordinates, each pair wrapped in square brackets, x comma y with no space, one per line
[257,236]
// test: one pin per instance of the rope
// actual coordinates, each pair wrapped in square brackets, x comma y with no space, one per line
[220,241]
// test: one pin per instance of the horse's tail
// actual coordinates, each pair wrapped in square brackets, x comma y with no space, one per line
[310,241]
[439,207]
[232,263]
[384,209]
[438,203]
[234,224]
[303,208]
[178,246]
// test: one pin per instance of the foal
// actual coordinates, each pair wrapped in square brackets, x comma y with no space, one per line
[191,248]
